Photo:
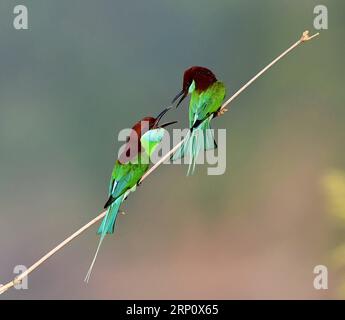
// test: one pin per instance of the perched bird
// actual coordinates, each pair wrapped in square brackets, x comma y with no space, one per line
[131,165]
[207,95]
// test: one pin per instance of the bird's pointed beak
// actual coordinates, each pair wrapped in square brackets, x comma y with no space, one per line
[167,124]
[160,116]
[181,94]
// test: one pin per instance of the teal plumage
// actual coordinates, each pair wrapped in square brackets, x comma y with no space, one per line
[207,95]
[204,103]
[128,170]
[125,177]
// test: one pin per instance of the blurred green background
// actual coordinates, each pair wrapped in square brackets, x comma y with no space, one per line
[86,69]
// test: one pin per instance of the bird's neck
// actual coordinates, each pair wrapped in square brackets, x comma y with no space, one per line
[144,157]
[148,149]
[199,88]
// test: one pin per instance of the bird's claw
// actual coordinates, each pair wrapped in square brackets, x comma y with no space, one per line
[222,111]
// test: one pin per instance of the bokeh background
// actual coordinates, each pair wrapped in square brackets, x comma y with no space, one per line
[86,69]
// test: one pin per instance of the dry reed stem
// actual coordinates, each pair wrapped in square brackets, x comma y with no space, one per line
[305,37]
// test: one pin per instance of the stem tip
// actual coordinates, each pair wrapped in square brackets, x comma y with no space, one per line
[305,36]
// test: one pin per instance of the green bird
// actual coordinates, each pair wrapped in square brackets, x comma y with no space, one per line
[131,165]
[207,95]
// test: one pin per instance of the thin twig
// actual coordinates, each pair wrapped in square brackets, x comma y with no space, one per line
[305,37]
[18,279]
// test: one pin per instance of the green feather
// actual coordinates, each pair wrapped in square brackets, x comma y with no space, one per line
[202,107]
[124,179]
[151,139]
[108,222]
[205,103]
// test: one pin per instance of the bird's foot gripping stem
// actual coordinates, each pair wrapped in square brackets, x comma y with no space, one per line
[222,111]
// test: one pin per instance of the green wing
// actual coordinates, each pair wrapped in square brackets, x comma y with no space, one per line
[124,177]
[203,104]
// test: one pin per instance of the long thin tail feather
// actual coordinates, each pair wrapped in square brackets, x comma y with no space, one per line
[107,226]
[88,275]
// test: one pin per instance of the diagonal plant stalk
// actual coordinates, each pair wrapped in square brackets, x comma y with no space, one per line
[305,37]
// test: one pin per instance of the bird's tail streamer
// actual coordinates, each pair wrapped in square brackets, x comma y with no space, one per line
[106,227]
[197,139]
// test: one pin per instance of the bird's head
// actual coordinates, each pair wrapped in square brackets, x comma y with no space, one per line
[135,140]
[195,78]
[152,137]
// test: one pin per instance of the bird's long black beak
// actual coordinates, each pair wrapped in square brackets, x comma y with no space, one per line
[160,116]
[181,94]
[167,124]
